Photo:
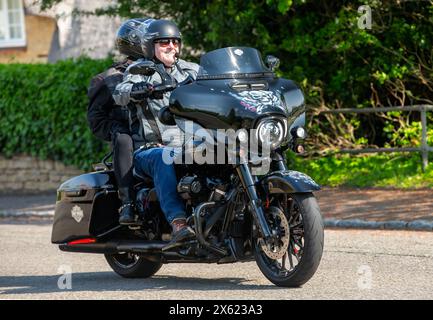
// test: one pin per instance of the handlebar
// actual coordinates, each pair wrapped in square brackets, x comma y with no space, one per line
[147,68]
[165,87]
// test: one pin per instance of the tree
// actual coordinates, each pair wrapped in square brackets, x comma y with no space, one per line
[322,47]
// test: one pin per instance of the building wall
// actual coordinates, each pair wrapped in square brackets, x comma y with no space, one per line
[78,35]
[24,174]
[39,31]
[83,35]
[59,34]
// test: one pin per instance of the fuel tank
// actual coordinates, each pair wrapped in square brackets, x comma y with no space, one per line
[86,206]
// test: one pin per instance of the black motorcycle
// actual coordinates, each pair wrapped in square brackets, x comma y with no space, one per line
[237,214]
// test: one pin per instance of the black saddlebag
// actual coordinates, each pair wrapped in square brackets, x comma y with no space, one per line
[86,207]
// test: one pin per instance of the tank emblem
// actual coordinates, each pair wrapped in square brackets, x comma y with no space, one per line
[238,52]
[77,213]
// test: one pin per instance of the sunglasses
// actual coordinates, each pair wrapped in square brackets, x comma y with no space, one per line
[166,42]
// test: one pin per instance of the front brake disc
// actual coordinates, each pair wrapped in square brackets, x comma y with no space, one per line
[280,228]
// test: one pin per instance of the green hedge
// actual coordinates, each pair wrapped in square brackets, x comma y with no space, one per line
[43,111]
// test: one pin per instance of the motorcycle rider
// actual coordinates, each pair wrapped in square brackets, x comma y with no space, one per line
[109,121]
[161,43]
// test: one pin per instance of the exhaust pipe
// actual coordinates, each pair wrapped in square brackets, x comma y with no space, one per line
[114,247]
[150,248]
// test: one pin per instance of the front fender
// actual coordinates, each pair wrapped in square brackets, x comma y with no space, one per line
[288,181]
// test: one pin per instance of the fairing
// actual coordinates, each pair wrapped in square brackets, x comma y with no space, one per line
[215,104]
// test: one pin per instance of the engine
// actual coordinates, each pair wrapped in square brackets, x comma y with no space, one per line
[195,189]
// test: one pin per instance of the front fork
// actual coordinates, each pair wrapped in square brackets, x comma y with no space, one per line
[256,208]
[279,161]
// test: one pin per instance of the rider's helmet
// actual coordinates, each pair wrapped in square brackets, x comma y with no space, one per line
[155,30]
[129,37]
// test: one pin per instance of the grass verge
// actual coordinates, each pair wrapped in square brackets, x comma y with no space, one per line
[401,171]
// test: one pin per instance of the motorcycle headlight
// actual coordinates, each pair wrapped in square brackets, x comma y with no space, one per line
[271,132]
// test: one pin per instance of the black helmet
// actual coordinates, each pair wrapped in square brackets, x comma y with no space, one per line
[129,37]
[158,29]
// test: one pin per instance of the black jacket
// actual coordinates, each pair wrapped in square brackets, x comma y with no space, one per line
[105,118]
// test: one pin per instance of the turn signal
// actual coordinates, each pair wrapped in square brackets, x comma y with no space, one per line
[300,149]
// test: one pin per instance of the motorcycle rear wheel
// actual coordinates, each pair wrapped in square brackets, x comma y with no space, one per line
[305,246]
[130,265]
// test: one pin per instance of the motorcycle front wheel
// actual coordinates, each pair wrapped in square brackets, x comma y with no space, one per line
[130,265]
[295,259]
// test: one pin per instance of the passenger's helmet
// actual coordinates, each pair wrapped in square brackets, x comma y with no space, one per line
[129,37]
[155,30]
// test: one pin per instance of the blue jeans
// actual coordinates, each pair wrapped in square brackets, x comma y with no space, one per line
[151,163]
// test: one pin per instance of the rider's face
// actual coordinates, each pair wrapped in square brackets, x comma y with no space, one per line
[165,51]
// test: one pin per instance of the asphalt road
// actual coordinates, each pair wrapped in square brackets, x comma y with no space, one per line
[355,265]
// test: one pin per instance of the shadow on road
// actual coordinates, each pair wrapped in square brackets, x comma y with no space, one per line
[108,281]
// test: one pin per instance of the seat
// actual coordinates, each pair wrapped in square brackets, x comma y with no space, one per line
[143,179]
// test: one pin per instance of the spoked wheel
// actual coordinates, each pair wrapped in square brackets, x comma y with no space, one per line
[129,265]
[294,256]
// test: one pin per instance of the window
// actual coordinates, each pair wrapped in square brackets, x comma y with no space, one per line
[12,28]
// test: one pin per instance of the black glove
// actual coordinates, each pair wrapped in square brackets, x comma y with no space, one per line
[141,90]
[157,95]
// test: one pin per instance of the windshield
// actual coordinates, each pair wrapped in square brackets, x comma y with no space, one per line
[232,62]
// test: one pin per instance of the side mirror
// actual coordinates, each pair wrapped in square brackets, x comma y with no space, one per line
[145,68]
[272,62]
[166,117]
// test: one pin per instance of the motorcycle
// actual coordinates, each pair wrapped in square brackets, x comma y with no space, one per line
[238,215]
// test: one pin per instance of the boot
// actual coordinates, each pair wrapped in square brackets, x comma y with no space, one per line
[180,234]
[127,214]
[127,210]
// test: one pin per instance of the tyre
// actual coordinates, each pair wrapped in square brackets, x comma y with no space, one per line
[295,258]
[130,265]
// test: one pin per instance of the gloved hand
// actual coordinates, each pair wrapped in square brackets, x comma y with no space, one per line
[141,90]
